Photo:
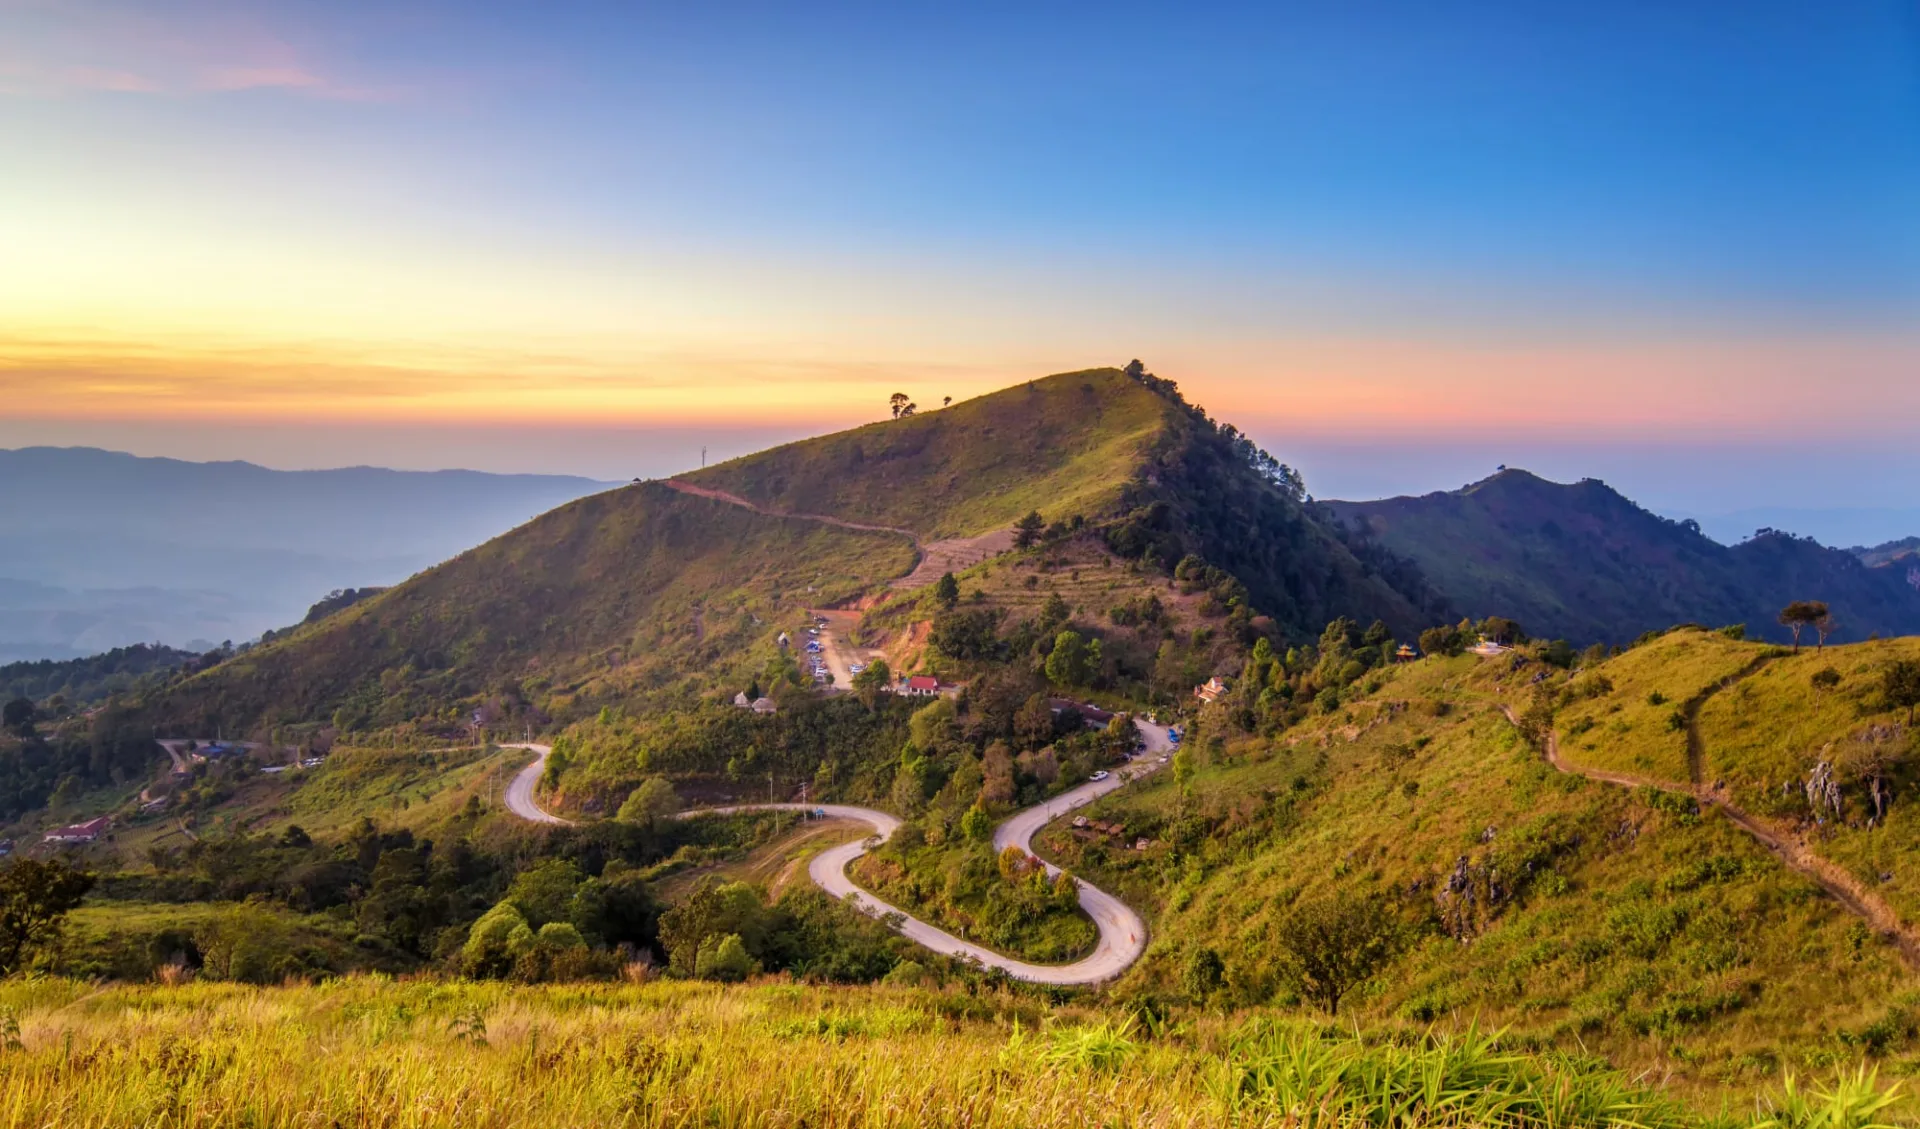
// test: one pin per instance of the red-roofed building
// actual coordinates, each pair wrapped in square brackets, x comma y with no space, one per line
[921,686]
[80,832]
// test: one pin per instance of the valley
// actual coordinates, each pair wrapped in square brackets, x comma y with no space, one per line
[1432,774]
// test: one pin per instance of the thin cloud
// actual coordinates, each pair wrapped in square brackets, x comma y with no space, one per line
[48,50]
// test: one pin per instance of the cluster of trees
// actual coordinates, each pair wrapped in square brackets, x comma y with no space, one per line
[63,684]
[729,931]
[1453,639]
[39,766]
[841,745]
[1276,690]
[1215,495]
[558,923]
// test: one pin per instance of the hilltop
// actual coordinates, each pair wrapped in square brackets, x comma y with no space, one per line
[1581,562]
[660,588]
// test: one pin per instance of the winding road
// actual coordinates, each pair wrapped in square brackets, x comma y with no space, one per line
[1123,935]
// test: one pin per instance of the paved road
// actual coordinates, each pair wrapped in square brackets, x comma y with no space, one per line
[520,790]
[1123,935]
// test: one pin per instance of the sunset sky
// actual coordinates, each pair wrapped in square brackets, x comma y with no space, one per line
[1403,239]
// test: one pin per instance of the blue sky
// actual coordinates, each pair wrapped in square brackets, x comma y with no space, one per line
[1415,226]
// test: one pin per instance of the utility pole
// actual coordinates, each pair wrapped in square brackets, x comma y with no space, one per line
[703,458]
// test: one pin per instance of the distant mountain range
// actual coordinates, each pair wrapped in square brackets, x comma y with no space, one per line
[1580,561]
[1830,525]
[100,549]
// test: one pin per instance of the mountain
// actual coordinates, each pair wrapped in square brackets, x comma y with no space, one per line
[657,587]
[1905,551]
[1579,561]
[1836,525]
[103,549]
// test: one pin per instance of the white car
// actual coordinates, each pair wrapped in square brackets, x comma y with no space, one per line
[1101,775]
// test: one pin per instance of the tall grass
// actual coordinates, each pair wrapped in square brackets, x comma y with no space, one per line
[369,1052]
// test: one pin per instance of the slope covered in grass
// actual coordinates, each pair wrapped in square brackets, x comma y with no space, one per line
[627,591]
[1064,445]
[1586,915]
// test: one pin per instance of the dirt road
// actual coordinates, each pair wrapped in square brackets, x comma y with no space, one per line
[1791,849]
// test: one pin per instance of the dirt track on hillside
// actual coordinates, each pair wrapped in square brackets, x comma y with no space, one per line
[1790,848]
[737,500]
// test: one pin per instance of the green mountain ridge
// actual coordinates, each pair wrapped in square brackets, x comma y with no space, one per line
[647,588]
[1582,562]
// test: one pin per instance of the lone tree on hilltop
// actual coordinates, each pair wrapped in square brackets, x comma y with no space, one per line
[1800,615]
[1823,627]
[34,897]
[899,403]
[1028,529]
[1900,685]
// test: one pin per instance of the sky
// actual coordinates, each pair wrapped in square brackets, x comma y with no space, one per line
[1676,245]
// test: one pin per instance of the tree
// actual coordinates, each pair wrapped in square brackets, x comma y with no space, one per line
[1204,974]
[1800,615]
[726,959]
[1823,627]
[653,801]
[1027,530]
[976,824]
[1900,685]
[1500,629]
[546,892]
[872,681]
[1071,661]
[17,715]
[1440,641]
[1824,679]
[1331,944]
[899,403]
[946,592]
[945,400]
[713,911]
[34,898]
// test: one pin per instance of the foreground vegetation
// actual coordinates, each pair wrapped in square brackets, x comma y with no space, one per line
[373,1052]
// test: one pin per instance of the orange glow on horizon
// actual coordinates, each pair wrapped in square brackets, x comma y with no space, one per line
[1332,386]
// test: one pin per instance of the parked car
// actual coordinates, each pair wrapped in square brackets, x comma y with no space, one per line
[1101,775]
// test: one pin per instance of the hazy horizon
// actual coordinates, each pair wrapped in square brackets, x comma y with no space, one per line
[1731,487]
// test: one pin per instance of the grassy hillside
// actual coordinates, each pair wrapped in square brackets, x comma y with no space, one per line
[1583,563]
[1629,922]
[623,593]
